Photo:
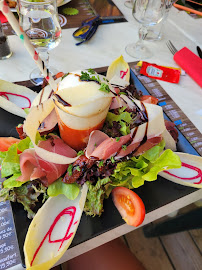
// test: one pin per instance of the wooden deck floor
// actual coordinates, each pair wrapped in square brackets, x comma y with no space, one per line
[179,251]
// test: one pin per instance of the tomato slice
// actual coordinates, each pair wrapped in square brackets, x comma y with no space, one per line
[129,205]
[6,142]
[149,99]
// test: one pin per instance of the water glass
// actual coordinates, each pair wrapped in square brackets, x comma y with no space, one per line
[147,13]
[155,32]
[39,20]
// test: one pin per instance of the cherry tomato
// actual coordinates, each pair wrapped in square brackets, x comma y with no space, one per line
[129,205]
[6,142]
[149,99]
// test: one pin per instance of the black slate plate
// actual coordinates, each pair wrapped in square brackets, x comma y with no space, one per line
[154,194]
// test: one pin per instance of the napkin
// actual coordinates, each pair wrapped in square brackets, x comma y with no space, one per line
[191,63]
[2,18]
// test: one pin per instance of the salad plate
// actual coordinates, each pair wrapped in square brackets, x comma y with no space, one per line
[154,195]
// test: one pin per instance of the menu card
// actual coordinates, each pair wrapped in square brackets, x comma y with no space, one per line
[9,250]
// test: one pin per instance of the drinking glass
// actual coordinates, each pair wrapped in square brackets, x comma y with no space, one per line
[39,20]
[155,32]
[147,13]
[129,3]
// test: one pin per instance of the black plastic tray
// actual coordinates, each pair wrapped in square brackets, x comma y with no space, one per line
[154,194]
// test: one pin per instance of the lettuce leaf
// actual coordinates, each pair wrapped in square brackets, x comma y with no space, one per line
[27,143]
[27,194]
[154,153]
[11,181]
[123,118]
[95,197]
[11,163]
[71,191]
[134,172]
[168,160]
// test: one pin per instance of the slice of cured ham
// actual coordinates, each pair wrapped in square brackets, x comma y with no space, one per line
[101,148]
[35,117]
[141,138]
[34,167]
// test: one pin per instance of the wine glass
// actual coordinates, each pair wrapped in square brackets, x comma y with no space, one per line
[147,13]
[129,3]
[39,20]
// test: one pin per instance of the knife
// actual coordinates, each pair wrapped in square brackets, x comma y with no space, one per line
[199,51]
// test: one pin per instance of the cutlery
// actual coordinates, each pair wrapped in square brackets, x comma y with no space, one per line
[199,51]
[188,61]
[171,47]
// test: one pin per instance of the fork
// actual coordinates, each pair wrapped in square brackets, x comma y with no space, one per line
[171,47]
[173,50]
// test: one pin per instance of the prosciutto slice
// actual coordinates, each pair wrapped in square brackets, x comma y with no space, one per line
[34,167]
[141,138]
[104,148]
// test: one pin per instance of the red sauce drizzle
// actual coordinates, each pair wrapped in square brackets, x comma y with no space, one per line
[67,211]
[199,175]
[5,94]
[123,73]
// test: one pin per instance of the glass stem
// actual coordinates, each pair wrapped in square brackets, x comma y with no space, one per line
[142,35]
[45,58]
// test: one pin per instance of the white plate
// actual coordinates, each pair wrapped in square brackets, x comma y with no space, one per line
[59,5]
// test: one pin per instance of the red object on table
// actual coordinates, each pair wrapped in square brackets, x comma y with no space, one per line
[2,18]
[191,63]
[160,73]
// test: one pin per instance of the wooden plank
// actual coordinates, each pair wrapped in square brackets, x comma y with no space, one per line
[197,238]
[148,250]
[182,251]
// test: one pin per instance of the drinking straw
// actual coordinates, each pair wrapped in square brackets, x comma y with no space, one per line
[26,42]
[188,9]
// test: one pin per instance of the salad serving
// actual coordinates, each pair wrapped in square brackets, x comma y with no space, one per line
[125,152]
[95,133]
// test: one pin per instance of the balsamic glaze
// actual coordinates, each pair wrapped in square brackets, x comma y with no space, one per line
[62,101]
[42,92]
[145,115]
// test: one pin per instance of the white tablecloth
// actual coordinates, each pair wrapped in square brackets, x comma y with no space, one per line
[109,43]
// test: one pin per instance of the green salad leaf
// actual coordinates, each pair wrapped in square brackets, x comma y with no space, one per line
[27,194]
[123,118]
[134,172]
[71,191]
[153,153]
[168,160]
[11,181]
[25,144]
[95,196]
[11,163]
